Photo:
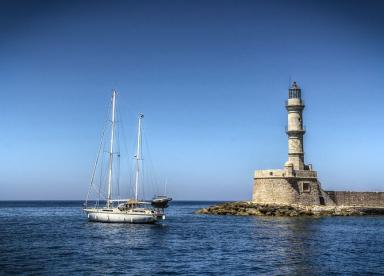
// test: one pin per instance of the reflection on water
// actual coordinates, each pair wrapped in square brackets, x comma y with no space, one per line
[55,237]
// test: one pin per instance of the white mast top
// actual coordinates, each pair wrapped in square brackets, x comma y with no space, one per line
[109,201]
[138,156]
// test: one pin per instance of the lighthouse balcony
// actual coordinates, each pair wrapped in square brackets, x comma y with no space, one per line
[294,104]
[294,131]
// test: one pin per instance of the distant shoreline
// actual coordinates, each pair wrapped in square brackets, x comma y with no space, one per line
[82,200]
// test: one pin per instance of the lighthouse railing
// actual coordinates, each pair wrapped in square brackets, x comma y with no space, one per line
[302,103]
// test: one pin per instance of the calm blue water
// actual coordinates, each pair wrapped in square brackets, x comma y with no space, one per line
[55,238]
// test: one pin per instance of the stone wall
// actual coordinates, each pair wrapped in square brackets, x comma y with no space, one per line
[374,199]
[273,190]
[274,186]
[284,174]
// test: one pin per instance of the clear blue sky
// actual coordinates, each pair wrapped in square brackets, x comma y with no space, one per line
[211,78]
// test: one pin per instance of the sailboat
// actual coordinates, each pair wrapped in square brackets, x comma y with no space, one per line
[125,210]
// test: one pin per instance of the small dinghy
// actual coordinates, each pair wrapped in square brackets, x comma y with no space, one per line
[160,202]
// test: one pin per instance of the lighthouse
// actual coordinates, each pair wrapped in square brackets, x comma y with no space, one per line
[295,128]
[296,183]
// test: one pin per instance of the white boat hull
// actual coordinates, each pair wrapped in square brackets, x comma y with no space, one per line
[114,215]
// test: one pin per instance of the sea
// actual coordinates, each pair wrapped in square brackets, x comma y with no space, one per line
[55,238]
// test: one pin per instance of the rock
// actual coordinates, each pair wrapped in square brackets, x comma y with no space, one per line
[244,208]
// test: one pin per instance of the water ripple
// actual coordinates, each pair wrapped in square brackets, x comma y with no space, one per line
[55,238]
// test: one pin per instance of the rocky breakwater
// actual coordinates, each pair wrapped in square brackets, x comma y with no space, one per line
[244,208]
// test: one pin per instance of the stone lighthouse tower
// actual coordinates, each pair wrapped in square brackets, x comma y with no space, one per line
[296,183]
[295,129]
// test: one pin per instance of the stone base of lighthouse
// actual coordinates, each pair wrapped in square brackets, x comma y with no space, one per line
[289,186]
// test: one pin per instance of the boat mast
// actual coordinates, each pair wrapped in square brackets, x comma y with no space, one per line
[138,155]
[109,201]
